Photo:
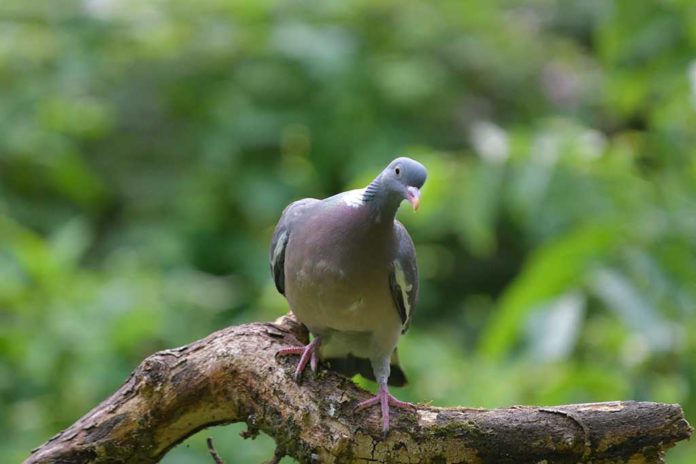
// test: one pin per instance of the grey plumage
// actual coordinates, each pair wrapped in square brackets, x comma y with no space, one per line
[348,270]
[291,214]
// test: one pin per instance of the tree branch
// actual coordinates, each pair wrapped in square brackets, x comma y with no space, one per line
[213,452]
[233,376]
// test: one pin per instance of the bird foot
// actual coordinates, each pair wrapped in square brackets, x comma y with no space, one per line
[308,353]
[384,399]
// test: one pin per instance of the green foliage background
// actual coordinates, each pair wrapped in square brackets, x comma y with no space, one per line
[148,147]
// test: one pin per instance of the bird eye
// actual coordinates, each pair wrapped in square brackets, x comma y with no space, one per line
[397,171]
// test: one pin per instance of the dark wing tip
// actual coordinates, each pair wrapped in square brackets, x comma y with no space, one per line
[397,378]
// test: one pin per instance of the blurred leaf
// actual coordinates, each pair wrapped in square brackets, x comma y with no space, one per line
[634,309]
[554,269]
[553,329]
[69,243]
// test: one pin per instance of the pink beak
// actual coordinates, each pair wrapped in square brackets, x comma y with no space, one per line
[414,197]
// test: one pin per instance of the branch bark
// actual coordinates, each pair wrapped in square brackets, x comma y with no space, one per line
[233,376]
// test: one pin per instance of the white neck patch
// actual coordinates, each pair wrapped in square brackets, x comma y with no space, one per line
[354,198]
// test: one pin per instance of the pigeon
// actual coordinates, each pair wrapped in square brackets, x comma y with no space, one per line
[348,270]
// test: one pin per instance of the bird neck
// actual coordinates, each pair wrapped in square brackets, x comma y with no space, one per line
[382,201]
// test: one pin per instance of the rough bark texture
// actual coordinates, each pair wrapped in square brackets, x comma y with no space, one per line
[233,376]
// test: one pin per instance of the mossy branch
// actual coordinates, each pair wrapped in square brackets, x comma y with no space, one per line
[233,376]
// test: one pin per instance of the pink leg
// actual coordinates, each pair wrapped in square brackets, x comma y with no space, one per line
[307,353]
[314,361]
[385,399]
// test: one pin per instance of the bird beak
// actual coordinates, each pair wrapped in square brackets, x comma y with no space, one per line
[414,197]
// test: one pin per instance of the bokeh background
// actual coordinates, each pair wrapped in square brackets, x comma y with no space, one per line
[148,147]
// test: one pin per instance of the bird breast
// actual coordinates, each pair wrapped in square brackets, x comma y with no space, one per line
[338,278]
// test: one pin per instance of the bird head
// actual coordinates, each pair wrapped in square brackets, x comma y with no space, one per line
[405,177]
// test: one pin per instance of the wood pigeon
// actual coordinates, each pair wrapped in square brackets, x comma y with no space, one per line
[348,270]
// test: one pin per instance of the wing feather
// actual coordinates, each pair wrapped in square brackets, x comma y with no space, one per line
[281,236]
[403,276]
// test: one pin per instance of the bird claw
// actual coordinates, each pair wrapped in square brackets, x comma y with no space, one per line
[308,353]
[384,399]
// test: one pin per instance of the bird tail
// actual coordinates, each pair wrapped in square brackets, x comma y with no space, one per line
[351,365]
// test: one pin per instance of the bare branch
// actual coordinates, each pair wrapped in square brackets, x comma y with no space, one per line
[213,452]
[234,376]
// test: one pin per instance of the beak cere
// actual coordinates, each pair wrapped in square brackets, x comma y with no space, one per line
[414,197]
